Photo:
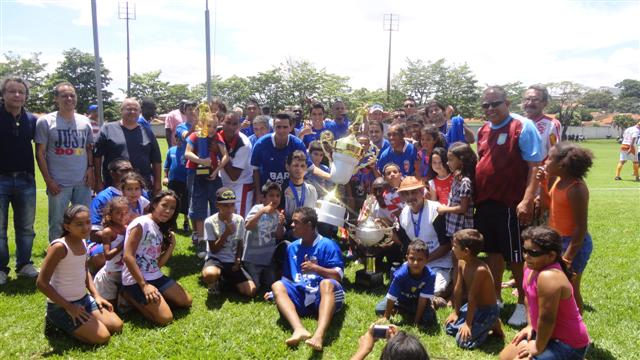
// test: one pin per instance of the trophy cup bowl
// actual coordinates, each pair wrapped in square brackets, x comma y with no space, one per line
[369,234]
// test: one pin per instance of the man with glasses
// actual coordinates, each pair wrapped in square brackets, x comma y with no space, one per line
[509,150]
[127,139]
[535,99]
[17,178]
[64,151]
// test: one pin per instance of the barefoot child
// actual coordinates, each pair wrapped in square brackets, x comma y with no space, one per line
[568,203]
[556,329]
[149,243]
[109,279]
[224,232]
[265,229]
[472,321]
[411,289]
[64,279]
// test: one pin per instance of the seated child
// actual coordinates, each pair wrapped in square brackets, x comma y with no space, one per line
[411,289]
[471,322]
[64,280]
[265,227]
[224,232]
[132,186]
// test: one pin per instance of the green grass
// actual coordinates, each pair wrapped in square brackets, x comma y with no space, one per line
[233,328]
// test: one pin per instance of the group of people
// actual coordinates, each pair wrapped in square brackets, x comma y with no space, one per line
[247,185]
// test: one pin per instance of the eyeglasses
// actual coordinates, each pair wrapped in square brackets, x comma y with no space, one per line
[534,253]
[409,105]
[493,104]
[399,116]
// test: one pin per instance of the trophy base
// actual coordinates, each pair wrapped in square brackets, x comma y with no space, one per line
[330,213]
[203,170]
[369,280]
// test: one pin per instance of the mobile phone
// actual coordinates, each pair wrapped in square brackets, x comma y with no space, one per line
[380,331]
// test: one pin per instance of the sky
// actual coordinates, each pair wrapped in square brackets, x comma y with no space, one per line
[595,43]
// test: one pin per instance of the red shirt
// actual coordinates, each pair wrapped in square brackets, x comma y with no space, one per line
[213,149]
[443,188]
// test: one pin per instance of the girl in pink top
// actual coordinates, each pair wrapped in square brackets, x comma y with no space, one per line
[556,329]
[64,279]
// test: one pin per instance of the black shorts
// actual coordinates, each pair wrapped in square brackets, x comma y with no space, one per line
[501,230]
[180,188]
[230,277]
[162,284]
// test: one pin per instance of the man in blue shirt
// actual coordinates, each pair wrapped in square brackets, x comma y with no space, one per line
[17,177]
[400,152]
[339,126]
[311,282]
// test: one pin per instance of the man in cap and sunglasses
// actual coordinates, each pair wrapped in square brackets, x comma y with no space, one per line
[509,151]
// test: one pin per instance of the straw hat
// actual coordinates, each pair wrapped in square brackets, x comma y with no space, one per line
[410,183]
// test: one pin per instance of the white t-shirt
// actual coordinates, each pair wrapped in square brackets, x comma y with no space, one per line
[310,197]
[213,229]
[148,251]
[630,134]
[240,160]
[427,232]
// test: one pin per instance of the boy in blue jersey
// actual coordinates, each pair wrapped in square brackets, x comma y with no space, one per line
[175,177]
[400,151]
[311,282]
[411,289]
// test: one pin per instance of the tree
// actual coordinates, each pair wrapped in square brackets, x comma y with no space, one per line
[77,67]
[629,88]
[149,85]
[30,69]
[459,88]
[597,99]
[628,105]
[623,121]
[568,95]
[268,89]
[234,90]
[585,114]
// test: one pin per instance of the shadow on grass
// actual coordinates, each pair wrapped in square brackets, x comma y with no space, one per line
[349,285]
[136,320]
[597,353]
[61,343]
[19,286]
[588,308]
[182,265]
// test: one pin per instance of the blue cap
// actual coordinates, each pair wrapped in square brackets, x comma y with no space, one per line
[92,108]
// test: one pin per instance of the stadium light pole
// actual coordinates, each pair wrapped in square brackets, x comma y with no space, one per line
[391,23]
[96,57]
[127,13]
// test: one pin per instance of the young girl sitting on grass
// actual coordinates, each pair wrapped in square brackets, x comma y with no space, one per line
[556,329]
[439,176]
[149,243]
[64,279]
[114,226]
[568,203]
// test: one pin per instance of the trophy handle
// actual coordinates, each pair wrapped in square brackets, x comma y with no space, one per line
[372,154]
[204,114]
[327,139]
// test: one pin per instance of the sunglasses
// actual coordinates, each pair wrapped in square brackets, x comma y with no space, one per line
[493,104]
[534,253]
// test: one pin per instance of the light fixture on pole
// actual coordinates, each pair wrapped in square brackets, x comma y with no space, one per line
[391,23]
[127,12]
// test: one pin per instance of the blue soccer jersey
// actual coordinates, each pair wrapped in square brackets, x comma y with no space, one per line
[404,160]
[271,162]
[98,203]
[325,251]
[405,289]
[338,130]
[176,163]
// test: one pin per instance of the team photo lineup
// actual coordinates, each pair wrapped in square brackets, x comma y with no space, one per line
[277,204]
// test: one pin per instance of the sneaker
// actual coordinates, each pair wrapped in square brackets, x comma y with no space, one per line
[637,178]
[202,249]
[3,277]
[28,271]
[214,289]
[519,316]
[617,178]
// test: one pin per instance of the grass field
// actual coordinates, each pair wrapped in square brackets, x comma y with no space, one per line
[229,327]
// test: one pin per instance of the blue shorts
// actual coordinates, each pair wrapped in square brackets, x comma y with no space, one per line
[582,257]
[162,284]
[95,248]
[203,196]
[484,319]
[307,300]
[557,349]
[61,320]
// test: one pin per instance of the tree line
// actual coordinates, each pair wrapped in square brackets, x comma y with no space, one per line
[294,81]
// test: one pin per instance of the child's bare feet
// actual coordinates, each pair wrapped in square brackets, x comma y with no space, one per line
[297,336]
[497,330]
[315,342]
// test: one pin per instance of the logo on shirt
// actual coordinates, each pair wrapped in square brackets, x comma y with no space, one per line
[407,166]
[70,142]
[278,177]
[502,138]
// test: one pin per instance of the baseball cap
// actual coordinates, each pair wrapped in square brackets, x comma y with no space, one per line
[375,107]
[92,107]
[224,195]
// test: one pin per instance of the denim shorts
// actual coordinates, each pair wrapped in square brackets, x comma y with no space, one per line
[61,320]
[556,349]
[162,284]
[582,257]
[203,196]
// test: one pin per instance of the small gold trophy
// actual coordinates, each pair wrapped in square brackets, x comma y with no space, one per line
[202,130]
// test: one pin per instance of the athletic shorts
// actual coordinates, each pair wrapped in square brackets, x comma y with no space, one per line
[108,282]
[626,156]
[582,257]
[162,284]
[230,277]
[501,230]
[62,320]
[307,300]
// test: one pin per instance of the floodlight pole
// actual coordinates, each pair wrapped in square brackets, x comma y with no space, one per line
[125,14]
[391,23]
[208,47]
[96,57]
